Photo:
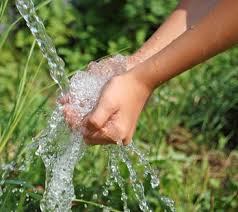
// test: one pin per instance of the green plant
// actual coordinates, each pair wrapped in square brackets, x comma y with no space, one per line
[188,129]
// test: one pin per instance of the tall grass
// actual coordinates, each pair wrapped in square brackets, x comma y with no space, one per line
[188,129]
[17,112]
[3,7]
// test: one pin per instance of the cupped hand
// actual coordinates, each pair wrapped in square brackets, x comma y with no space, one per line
[114,118]
[107,67]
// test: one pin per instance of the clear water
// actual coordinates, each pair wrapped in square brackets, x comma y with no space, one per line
[116,176]
[142,160]
[61,148]
[56,64]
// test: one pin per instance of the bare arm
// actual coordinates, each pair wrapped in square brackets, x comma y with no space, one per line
[215,33]
[186,14]
[116,114]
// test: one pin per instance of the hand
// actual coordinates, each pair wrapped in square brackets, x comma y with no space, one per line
[72,116]
[115,116]
[108,67]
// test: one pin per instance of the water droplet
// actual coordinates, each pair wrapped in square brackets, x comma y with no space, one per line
[105,192]
[95,196]
[14,190]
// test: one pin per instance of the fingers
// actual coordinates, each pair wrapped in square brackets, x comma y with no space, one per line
[99,116]
[128,139]
[98,137]
[64,99]
[111,133]
[72,117]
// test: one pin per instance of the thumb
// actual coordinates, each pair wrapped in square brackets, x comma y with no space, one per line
[100,115]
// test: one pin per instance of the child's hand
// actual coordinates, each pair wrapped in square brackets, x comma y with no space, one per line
[107,66]
[115,116]
[72,116]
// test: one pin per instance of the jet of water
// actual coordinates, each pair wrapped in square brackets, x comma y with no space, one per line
[56,64]
[60,148]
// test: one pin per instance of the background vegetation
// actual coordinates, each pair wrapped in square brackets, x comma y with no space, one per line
[189,128]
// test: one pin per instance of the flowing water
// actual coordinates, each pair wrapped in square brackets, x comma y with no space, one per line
[56,64]
[61,148]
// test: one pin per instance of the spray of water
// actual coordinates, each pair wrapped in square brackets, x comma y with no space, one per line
[61,148]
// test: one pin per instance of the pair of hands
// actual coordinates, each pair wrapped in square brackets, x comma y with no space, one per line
[115,116]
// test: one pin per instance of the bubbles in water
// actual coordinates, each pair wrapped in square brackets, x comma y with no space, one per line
[105,192]
[136,184]
[115,172]
[148,169]
[168,203]
[60,148]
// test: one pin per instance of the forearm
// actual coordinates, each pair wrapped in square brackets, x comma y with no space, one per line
[186,14]
[214,33]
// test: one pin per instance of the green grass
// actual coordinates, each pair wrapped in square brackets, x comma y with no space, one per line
[188,129]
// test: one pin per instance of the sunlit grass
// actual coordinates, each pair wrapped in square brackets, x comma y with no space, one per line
[3,6]
[17,112]
[5,35]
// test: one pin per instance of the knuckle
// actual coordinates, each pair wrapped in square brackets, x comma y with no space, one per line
[93,121]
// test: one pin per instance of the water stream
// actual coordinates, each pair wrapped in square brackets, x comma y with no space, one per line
[56,64]
[61,148]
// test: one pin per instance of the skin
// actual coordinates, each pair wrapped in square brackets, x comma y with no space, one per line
[186,14]
[195,32]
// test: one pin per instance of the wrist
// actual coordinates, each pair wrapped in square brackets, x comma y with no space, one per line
[132,61]
[145,73]
[135,75]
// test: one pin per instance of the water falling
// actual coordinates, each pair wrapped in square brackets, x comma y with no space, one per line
[56,64]
[58,146]
[116,176]
[142,160]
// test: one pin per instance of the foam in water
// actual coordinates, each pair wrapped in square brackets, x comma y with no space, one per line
[60,156]
[61,148]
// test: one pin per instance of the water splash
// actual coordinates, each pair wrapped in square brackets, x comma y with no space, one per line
[60,148]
